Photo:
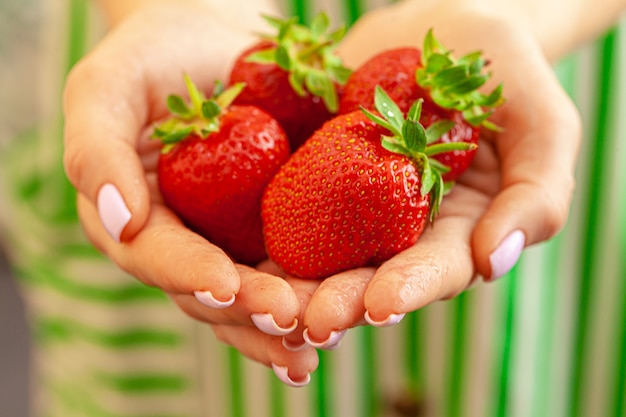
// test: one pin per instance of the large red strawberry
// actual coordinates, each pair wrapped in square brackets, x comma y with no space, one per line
[359,191]
[448,87]
[294,76]
[216,162]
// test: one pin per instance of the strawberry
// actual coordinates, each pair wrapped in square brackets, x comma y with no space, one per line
[394,71]
[447,86]
[359,191]
[294,76]
[217,160]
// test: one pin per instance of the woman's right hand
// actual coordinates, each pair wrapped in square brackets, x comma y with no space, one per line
[112,98]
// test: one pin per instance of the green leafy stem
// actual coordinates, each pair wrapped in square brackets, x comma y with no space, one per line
[307,54]
[454,84]
[198,116]
[410,138]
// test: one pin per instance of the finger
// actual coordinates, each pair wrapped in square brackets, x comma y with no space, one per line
[103,123]
[336,306]
[265,301]
[113,95]
[304,290]
[167,255]
[292,368]
[538,152]
[437,267]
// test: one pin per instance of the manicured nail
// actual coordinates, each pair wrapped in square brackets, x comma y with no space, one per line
[332,342]
[283,374]
[114,213]
[504,258]
[265,323]
[292,347]
[389,321]
[206,298]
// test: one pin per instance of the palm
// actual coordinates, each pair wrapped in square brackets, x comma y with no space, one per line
[510,183]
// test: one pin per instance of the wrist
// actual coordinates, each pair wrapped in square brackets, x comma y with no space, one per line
[406,24]
[240,13]
[558,26]
[115,11]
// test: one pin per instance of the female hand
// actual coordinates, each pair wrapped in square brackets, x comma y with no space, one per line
[516,193]
[112,98]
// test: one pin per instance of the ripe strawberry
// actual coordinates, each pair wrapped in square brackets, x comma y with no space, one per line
[216,162]
[359,191]
[394,71]
[447,86]
[294,76]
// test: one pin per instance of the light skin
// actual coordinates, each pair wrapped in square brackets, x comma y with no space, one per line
[521,180]
[154,246]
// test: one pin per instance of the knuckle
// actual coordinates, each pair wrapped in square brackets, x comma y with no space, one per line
[74,159]
[556,207]
[81,74]
[75,156]
[572,118]
[220,334]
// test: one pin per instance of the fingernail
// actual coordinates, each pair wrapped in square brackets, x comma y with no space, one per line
[265,323]
[292,347]
[283,374]
[113,212]
[332,342]
[206,298]
[389,321]
[507,254]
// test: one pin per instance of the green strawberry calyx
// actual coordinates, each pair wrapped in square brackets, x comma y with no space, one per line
[307,53]
[410,138]
[454,83]
[199,116]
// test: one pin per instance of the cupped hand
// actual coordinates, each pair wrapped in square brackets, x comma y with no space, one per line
[112,99]
[516,193]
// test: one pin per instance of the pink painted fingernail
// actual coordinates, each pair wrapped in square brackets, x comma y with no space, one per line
[265,323]
[332,342]
[114,213]
[292,347]
[504,258]
[206,298]
[283,374]
[389,321]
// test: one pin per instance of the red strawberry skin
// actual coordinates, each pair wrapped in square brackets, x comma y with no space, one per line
[458,161]
[215,184]
[394,70]
[268,87]
[342,201]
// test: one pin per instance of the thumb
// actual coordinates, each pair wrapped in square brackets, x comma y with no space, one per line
[103,124]
[538,152]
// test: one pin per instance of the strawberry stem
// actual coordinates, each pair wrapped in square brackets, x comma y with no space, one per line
[195,95]
[449,147]
[410,138]
[454,84]
[199,116]
[308,54]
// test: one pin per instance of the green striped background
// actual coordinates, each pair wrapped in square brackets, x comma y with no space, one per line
[547,340]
